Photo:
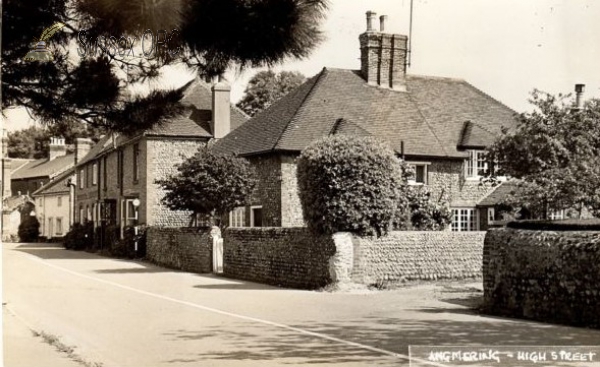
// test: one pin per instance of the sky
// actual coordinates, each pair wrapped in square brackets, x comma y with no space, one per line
[506,48]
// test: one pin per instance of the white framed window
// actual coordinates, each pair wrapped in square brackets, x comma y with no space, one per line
[476,164]
[50,225]
[95,174]
[556,214]
[41,202]
[59,227]
[81,179]
[89,213]
[464,220]
[420,170]
[237,217]
[81,217]
[256,216]
[491,214]
[59,201]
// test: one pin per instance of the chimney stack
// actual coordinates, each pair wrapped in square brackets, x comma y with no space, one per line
[57,148]
[579,89]
[383,56]
[82,148]
[221,109]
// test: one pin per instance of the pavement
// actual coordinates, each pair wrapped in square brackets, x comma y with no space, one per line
[23,349]
[128,313]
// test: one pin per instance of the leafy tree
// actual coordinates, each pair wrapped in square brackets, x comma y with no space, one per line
[91,74]
[555,153]
[266,87]
[34,141]
[427,213]
[350,184]
[209,185]
[29,229]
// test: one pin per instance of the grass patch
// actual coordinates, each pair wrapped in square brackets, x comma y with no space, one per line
[54,341]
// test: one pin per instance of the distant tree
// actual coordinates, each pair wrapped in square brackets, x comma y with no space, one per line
[29,229]
[555,153]
[209,185]
[34,141]
[206,35]
[267,87]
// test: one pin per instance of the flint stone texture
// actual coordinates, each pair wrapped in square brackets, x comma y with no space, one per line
[286,257]
[417,255]
[188,249]
[543,275]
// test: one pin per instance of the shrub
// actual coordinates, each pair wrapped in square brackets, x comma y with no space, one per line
[350,184]
[125,248]
[557,225]
[29,229]
[80,237]
[209,184]
[425,213]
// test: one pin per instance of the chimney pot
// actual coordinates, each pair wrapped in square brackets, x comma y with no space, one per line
[57,148]
[382,20]
[371,15]
[579,89]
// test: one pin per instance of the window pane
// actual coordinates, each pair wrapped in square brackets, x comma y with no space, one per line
[420,174]
[257,217]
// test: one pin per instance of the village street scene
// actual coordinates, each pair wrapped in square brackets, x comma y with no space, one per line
[291,182]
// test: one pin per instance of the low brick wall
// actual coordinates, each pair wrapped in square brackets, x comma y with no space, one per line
[411,255]
[287,257]
[188,249]
[543,275]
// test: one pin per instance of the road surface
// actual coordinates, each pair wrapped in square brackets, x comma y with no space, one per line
[125,313]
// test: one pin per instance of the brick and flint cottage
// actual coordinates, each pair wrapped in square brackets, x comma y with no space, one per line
[116,180]
[441,125]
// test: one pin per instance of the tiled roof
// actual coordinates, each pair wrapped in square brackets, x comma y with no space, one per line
[45,167]
[429,118]
[58,185]
[474,136]
[18,163]
[499,193]
[194,123]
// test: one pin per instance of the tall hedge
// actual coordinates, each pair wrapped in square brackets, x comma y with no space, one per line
[350,184]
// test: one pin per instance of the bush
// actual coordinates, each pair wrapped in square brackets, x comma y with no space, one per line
[29,229]
[125,248]
[80,237]
[350,184]
[209,184]
[557,225]
[425,213]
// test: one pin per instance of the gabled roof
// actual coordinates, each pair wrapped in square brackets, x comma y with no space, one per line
[194,123]
[57,185]
[475,137]
[500,193]
[196,120]
[429,117]
[44,167]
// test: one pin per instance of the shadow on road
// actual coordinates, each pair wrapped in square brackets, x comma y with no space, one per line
[391,334]
[235,285]
[385,333]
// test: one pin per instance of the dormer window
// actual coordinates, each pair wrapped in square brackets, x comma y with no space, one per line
[477,164]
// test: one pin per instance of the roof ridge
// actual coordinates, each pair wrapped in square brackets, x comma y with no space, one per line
[435,77]
[55,180]
[411,99]
[301,105]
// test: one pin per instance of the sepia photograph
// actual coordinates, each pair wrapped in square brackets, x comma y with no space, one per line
[300,182]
